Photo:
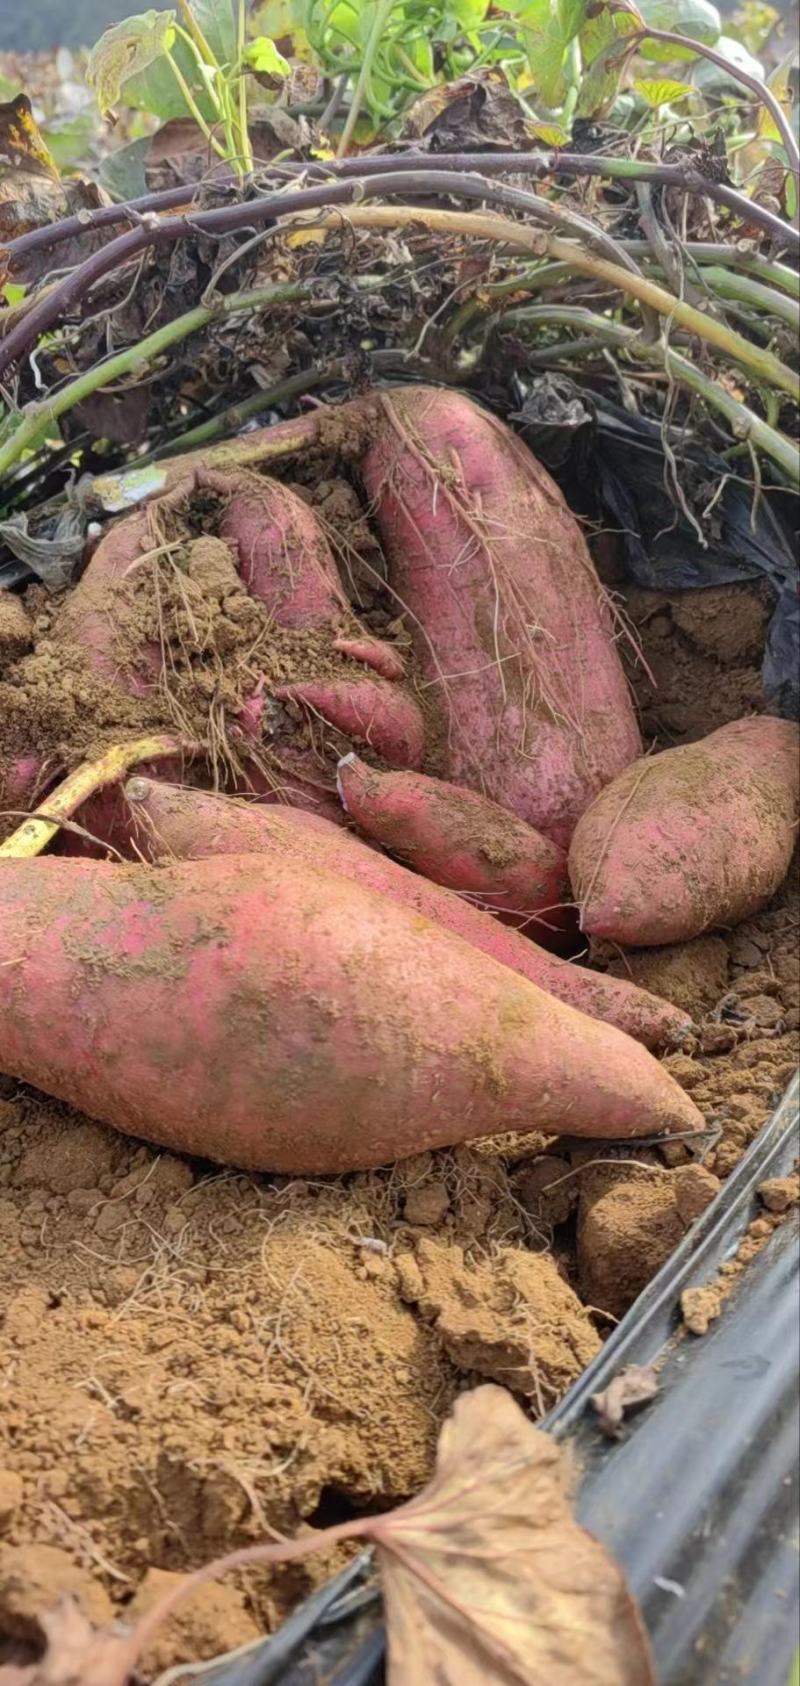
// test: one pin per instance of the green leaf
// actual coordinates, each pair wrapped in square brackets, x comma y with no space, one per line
[550,134]
[70,142]
[216,19]
[695,18]
[548,27]
[601,41]
[127,48]
[468,13]
[262,54]
[14,292]
[706,75]
[663,91]
[123,173]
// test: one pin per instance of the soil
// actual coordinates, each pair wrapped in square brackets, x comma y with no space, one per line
[193,1359]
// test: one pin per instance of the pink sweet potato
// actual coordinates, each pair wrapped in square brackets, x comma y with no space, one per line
[373,711]
[291,1021]
[694,837]
[284,556]
[181,824]
[458,838]
[511,625]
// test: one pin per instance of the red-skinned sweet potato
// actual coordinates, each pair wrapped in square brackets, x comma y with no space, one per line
[373,711]
[694,837]
[284,557]
[511,625]
[292,1021]
[175,823]
[459,839]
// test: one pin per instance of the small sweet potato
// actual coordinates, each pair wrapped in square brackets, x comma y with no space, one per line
[694,837]
[284,557]
[291,1021]
[172,822]
[459,839]
[511,625]
[373,711]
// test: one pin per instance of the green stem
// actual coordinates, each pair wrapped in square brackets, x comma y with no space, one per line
[244,131]
[207,53]
[222,426]
[383,11]
[574,73]
[209,82]
[747,291]
[744,423]
[193,107]
[37,418]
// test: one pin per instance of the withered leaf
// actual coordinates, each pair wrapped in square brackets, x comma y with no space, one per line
[77,1654]
[21,145]
[486,1576]
[634,1386]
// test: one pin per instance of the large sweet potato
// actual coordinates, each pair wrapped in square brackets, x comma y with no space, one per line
[291,1021]
[167,821]
[460,839]
[694,837]
[511,625]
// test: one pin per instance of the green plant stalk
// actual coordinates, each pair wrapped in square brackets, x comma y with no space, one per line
[193,107]
[230,420]
[746,291]
[383,11]
[39,417]
[193,28]
[199,60]
[745,424]
[574,70]
[244,129]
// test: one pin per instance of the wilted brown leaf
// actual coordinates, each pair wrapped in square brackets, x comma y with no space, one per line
[486,1576]
[636,1385]
[77,1654]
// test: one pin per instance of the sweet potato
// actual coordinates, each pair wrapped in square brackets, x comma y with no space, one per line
[373,711]
[291,1021]
[694,837]
[511,625]
[190,824]
[459,839]
[284,557]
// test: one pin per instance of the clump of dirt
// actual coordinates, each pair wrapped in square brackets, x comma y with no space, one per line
[701,665]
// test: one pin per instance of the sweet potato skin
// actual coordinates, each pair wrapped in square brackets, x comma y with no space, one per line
[291,1021]
[459,839]
[372,710]
[511,626]
[284,557]
[697,836]
[190,824]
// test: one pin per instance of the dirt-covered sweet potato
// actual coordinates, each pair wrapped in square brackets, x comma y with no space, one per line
[291,1021]
[167,821]
[460,839]
[511,625]
[697,836]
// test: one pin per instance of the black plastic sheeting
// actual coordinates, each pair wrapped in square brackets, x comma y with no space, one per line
[607,458]
[697,1500]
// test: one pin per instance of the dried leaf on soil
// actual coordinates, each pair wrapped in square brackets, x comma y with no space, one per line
[77,1653]
[634,1386]
[487,1577]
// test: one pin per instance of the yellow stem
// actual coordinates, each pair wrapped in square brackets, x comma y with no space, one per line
[42,826]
